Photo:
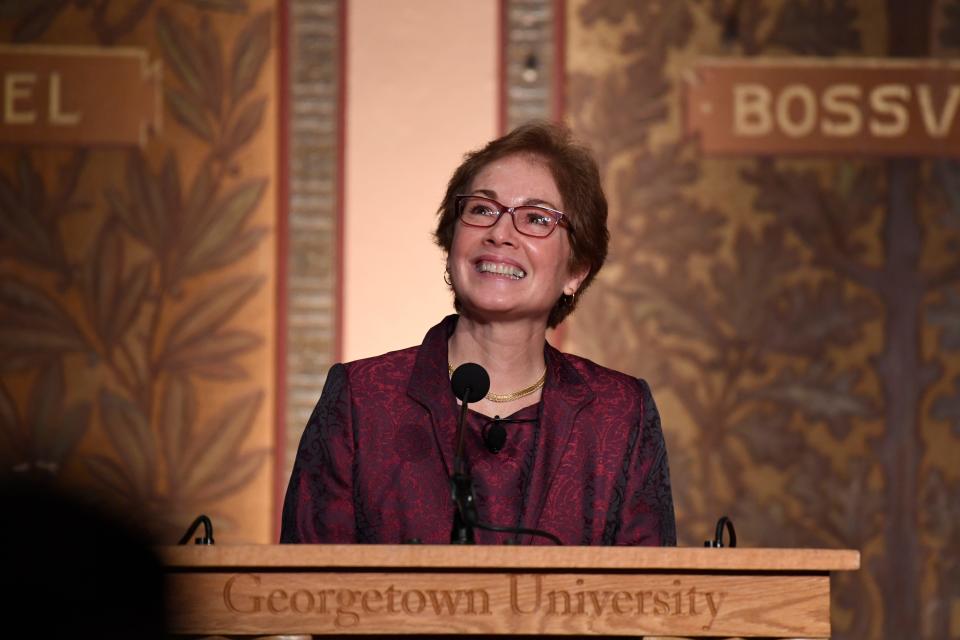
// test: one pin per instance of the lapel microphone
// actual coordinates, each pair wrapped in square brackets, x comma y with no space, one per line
[494,435]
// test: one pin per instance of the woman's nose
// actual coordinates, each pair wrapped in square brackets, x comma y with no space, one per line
[502,231]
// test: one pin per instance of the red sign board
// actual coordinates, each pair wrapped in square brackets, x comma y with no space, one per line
[850,106]
[78,95]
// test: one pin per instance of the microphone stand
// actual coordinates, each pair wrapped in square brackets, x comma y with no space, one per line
[461,488]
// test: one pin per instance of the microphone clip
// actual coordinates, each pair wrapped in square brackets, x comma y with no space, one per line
[207,537]
[717,542]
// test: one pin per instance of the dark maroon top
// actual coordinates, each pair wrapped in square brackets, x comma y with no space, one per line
[499,477]
[375,457]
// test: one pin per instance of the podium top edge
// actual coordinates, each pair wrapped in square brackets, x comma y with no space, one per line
[450,557]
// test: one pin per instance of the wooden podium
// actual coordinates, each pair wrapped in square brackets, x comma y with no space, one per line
[422,589]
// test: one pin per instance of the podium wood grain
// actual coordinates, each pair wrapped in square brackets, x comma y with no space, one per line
[420,589]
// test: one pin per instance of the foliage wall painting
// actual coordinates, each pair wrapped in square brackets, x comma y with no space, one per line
[798,319]
[135,360]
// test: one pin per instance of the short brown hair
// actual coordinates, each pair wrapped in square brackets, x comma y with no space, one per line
[578,180]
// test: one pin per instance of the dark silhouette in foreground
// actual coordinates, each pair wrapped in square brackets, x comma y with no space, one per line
[75,570]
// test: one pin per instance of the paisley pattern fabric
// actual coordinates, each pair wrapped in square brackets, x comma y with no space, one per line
[498,478]
[374,461]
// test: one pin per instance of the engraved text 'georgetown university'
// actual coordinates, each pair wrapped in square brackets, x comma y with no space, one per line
[244,594]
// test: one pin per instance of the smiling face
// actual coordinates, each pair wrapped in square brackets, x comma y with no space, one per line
[499,273]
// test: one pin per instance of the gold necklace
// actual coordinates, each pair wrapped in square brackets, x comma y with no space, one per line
[516,395]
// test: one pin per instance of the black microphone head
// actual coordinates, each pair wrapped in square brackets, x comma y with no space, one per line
[470,376]
[495,437]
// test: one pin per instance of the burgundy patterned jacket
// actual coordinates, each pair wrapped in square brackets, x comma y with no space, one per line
[376,454]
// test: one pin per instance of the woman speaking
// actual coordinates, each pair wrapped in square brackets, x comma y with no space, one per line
[558,444]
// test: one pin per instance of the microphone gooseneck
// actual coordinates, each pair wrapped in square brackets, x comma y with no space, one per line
[470,381]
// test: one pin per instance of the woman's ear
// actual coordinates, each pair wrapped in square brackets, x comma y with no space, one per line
[572,285]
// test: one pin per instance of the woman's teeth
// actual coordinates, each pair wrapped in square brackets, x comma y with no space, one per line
[501,269]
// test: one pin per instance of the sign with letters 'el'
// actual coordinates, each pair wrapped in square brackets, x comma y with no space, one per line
[78,95]
[844,106]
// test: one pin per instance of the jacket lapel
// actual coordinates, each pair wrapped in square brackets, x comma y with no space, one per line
[564,395]
[429,385]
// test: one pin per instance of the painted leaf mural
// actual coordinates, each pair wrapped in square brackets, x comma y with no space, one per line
[34,327]
[795,317]
[131,304]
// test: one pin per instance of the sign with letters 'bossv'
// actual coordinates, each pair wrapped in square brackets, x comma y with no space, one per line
[821,106]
